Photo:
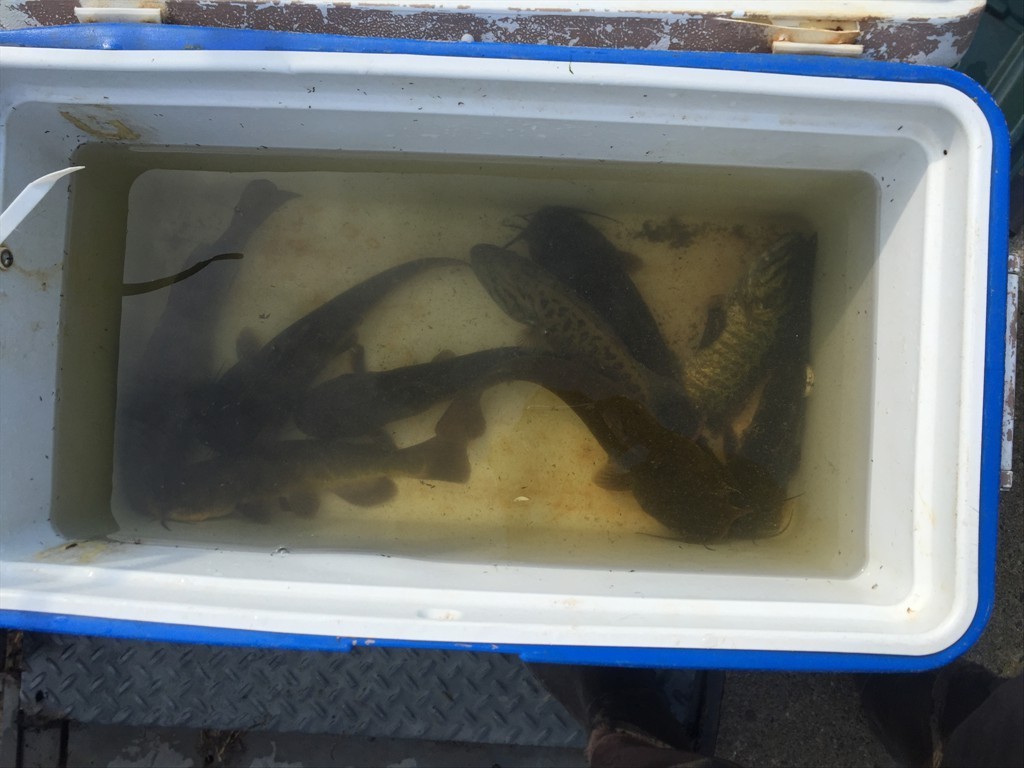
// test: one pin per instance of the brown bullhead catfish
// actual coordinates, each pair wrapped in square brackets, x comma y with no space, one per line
[260,391]
[155,428]
[563,242]
[676,480]
[720,375]
[293,472]
[360,403]
[530,294]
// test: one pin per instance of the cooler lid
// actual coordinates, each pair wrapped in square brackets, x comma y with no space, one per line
[935,32]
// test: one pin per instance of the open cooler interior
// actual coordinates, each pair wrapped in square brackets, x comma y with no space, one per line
[693,172]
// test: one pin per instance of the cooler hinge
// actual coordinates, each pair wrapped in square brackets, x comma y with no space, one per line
[120,11]
[821,37]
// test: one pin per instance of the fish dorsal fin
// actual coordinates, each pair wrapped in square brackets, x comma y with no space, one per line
[247,345]
[368,492]
[444,354]
[613,477]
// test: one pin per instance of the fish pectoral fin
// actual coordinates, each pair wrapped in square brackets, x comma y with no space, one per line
[301,503]
[247,345]
[369,492]
[613,477]
[257,510]
[714,324]
[463,420]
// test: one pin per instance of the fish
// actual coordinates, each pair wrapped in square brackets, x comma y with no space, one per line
[360,403]
[531,295]
[155,429]
[674,478]
[260,391]
[719,376]
[768,454]
[562,241]
[294,471]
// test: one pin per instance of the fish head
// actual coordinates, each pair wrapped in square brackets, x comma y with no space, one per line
[675,479]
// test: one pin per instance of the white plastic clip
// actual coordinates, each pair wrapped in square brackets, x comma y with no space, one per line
[120,11]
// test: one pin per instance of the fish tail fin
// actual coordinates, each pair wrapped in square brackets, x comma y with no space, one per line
[446,455]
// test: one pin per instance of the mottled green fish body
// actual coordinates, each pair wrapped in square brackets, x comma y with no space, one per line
[722,374]
[530,294]
[562,241]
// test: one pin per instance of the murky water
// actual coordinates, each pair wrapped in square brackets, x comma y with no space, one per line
[691,235]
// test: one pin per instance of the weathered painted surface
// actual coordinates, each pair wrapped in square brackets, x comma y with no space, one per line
[938,41]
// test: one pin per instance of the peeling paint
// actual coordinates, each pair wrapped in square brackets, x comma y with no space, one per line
[935,41]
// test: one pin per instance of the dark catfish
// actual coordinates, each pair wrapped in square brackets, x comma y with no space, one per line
[359,403]
[530,294]
[676,480]
[155,429]
[294,472]
[261,390]
[576,252]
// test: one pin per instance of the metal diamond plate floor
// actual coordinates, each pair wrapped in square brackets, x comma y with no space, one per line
[395,693]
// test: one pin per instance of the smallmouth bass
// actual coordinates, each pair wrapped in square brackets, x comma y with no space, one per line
[720,375]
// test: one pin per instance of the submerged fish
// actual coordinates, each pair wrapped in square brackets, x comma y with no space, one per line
[295,471]
[572,249]
[155,429]
[676,480]
[769,453]
[261,390]
[359,403]
[530,294]
[719,376]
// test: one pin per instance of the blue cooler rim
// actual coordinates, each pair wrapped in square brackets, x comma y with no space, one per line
[169,37]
